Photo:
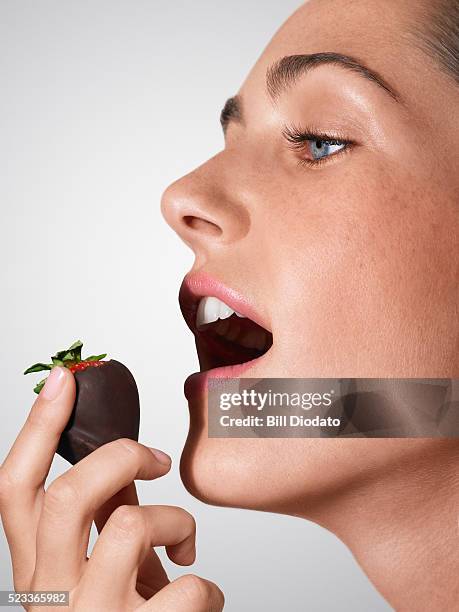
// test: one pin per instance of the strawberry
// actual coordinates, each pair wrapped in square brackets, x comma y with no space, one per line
[106,404]
[78,367]
[69,358]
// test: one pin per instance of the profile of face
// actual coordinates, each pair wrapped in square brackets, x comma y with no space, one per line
[330,220]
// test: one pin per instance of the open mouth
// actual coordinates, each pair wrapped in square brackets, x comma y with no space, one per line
[224,336]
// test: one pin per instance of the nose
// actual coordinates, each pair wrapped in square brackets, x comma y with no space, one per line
[204,209]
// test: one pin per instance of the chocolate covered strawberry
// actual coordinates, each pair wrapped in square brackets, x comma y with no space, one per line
[106,403]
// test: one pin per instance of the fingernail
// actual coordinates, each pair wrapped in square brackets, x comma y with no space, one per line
[160,456]
[54,383]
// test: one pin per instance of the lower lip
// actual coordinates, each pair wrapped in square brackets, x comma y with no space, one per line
[196,384]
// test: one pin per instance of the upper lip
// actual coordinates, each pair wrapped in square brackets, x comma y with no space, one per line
[198,285]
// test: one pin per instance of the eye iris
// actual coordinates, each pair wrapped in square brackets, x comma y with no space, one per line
[324,148]
[319,148]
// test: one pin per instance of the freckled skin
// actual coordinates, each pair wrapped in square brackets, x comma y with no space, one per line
[354,263]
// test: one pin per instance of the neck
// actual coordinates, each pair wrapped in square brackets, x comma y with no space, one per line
[402,527]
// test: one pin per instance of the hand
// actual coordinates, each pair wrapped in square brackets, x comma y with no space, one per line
[48,531]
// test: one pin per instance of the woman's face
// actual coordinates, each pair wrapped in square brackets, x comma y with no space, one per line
[351,262]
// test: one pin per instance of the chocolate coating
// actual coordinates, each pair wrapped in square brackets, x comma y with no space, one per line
[106,408]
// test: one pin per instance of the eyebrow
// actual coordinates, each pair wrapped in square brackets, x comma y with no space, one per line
[231,112]
[289,69]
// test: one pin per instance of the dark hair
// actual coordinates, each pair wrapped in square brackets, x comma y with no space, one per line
[440,37]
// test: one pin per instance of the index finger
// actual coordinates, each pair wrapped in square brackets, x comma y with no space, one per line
[28,462]
[26,466]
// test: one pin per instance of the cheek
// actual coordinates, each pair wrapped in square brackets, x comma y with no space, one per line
[364,280]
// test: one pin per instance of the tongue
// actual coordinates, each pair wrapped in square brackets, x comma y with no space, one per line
[214,352]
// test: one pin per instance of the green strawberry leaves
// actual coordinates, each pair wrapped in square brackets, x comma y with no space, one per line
[73,353]
[96,357]
[65,358]
[40,386]
[38,367]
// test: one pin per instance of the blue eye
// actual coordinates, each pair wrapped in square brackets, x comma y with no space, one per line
[314,147]
[324,148]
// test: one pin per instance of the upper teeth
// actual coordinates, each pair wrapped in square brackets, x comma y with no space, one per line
[211,309]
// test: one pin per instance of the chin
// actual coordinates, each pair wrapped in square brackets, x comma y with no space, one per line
[219,471]
[266,474]
[236,473]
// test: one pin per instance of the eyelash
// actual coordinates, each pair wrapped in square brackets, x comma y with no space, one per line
[298,138]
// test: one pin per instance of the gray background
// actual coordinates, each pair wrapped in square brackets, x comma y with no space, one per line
[102,104]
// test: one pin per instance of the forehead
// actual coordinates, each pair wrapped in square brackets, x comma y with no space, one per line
[375,27]
[379,33]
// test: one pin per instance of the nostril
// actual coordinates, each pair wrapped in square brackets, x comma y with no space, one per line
[203,226]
